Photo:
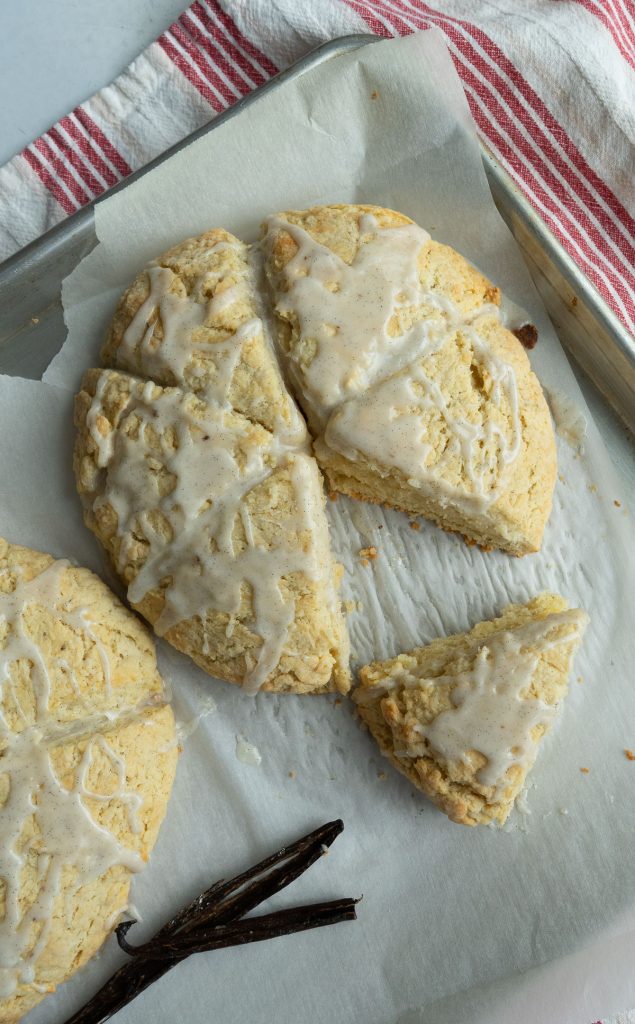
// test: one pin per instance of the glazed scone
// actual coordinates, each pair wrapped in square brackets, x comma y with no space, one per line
[416,393]
[192,318]
[97,658]
[87,760]
[217,528]
[462,718]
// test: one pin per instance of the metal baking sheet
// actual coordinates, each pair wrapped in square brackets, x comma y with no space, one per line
[31,319]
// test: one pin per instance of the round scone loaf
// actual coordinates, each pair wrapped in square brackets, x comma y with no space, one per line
[197,478]
[87,761]
[417,394]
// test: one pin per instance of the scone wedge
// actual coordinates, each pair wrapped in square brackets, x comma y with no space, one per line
[417,395]
[462,717]
[87,760]
[193,319]
[218,530]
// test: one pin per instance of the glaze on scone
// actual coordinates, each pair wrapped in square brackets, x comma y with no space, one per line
[417,395]
[204,494]
[192,318]
[87,760]
[462,717]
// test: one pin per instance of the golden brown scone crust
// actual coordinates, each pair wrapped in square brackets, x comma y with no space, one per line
[515,521]
[454,786]
[126,720]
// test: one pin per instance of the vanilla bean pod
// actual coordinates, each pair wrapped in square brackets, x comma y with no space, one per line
[219,906]
[250,929]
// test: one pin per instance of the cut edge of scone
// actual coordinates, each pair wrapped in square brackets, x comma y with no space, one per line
[315,659]
[514,518]
[404,696]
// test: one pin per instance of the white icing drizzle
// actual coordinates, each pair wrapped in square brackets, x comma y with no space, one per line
[367,389]
[39,816]
[247,752]
[214,467]
[492,712]
[103,442]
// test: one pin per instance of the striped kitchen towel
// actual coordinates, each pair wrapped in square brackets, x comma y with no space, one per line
[550,83]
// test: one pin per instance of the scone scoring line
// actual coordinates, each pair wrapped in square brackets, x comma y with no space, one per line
[493,712]
[60,822]
[365,386]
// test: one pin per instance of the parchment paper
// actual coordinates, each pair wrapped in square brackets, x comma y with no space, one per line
[449,914]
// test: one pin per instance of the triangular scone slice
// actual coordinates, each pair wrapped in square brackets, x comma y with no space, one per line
[69,650]
[79,816]
[462,717]
[192,318]
[217,528]
[418,396]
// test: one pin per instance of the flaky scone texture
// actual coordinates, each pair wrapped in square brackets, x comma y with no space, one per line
[457,383]
[314,658]
[399,697]
[106,732]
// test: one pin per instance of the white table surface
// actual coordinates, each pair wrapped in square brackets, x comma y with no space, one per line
[56,53]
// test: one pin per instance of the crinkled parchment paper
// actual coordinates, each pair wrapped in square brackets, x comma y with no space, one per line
[450,914]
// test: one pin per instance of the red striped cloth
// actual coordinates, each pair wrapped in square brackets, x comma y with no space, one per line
[550,84]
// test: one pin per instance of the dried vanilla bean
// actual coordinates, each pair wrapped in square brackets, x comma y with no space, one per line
[213,921]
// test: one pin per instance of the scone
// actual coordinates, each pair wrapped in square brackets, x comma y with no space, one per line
[417,395]
[218,529]
[462,717]
[193,319]
[87,760]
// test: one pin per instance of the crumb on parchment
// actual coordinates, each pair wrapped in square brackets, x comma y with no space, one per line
[618,504]
[585,771]
[368,553]
[414,525]
[629,754]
